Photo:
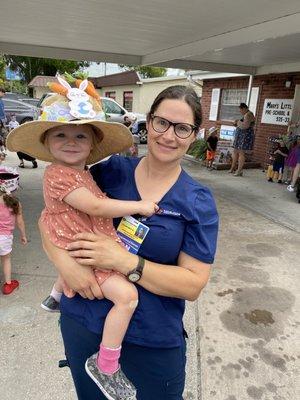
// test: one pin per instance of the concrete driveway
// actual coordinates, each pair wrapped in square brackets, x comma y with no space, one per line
[244,329]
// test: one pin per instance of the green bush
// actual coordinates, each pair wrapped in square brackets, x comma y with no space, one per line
[198,149]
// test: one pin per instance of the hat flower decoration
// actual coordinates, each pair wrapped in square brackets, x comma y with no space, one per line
[70,105]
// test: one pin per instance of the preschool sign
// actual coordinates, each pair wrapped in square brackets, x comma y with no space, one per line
[277,111]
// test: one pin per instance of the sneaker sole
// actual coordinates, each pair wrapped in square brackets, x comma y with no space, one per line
[49,309]
[108,396]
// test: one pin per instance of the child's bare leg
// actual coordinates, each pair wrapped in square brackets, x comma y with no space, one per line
[124,295]
[125,298]
[6,263]
[104,369]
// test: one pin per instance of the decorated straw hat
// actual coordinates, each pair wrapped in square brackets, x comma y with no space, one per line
[70,106]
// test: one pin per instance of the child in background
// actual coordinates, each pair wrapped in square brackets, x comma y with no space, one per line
[275,171]
[13,123]
[2,157]
[212,142]
[10,214]
[74,203]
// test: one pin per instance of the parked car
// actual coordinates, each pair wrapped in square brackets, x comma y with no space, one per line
[30,101]
[23,112]
[139,128]
[113,110]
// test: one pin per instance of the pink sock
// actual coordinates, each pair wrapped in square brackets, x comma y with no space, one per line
[108,359]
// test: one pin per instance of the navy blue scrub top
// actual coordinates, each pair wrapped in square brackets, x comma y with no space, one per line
[190,224]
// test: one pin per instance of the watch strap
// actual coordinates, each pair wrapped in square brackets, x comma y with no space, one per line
[139,268]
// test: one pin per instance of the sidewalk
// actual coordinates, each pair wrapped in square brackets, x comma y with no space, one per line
[244,332]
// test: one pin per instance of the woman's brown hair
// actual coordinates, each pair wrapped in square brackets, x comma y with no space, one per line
[180,92]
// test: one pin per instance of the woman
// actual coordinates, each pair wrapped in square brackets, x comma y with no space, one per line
[243,140]
[172,265]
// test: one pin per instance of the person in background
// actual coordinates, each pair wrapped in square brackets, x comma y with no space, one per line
[10,214]
[275,171]
[2,121]
[2,111]
[296,172]
[243,139]
[2,157]
[13,123]
[212,142]
[23,156]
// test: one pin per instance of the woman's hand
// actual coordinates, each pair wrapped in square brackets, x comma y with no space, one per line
[82,280]
[101,252]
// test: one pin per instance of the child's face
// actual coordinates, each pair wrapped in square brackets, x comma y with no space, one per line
[70,145]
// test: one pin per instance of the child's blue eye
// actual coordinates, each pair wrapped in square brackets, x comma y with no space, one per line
[81,136]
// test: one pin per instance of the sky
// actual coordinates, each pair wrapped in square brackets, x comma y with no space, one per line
[96,70]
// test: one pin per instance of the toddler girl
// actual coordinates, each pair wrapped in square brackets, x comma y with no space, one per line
[10,214]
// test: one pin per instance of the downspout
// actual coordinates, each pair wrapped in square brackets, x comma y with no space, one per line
[249,90]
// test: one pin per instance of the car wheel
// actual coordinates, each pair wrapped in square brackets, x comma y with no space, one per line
[143,134]
[27,119]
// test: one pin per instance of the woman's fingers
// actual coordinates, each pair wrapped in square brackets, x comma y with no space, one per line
[89,262]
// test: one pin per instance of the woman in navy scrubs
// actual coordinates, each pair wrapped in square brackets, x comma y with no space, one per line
[172,264]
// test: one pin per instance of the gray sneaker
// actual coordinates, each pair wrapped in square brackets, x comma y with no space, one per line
[115,386]
[50,304]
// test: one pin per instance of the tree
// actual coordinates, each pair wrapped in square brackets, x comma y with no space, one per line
[29,67]
[146,71]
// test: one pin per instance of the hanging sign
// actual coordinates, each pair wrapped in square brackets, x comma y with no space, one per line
[277,111]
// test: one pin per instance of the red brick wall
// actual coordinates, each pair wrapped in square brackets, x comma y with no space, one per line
[270,87]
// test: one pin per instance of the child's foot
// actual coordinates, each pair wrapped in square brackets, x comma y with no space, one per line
[291,188]
[115,386]
[270,180]
[50,304]
[279,181]
[8,288]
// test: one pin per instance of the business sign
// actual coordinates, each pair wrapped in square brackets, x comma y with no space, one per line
[277,111]
[227,132]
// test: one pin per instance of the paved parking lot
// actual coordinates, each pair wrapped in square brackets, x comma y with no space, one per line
[243,330]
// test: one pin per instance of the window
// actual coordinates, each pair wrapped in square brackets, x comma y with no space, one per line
[111,95]
[110,107]
[230,101]
[128,100]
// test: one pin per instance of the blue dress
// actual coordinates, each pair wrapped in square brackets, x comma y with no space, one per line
[244,138]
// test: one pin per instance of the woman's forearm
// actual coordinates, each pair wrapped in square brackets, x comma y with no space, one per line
[169,280]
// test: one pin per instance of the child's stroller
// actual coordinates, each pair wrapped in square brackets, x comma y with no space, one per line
[9,177]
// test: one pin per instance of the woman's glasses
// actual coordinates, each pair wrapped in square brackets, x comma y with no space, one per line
[161,125]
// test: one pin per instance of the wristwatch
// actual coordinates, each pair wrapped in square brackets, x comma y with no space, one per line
[136,274]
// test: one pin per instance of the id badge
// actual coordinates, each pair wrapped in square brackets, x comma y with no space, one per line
[132,233]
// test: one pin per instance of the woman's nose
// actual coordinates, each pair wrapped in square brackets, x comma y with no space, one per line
[170,132]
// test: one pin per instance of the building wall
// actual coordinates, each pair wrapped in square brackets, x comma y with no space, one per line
[270,87]
[145,93]
[39,91]
[149,90]
[120,91]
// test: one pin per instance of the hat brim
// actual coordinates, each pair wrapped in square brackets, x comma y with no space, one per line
[27,138]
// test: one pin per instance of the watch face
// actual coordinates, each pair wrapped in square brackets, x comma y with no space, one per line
[134,277]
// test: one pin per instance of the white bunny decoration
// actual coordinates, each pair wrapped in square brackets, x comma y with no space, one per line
[80,107]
